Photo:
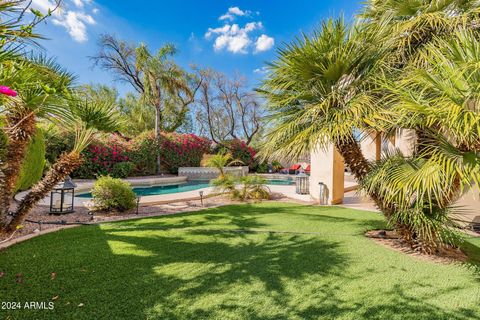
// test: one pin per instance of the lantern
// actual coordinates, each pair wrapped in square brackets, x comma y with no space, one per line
[302,183]
[323,193]
[62,197]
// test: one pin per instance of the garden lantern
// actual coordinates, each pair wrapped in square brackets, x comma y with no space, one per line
[62,197]
[302,182]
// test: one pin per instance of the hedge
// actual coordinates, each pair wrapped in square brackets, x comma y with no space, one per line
[33,164]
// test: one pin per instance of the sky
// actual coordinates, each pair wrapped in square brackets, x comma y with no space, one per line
[230,36]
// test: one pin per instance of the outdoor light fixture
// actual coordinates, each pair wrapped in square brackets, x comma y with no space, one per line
[302,182]
[62,197]
[201,197]
[138,203]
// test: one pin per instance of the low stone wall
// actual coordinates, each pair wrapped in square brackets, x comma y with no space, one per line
[201,173]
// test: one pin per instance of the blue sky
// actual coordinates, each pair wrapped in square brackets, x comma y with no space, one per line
[230,36]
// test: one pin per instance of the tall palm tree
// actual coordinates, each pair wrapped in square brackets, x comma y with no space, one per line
[161,80]
[160,83]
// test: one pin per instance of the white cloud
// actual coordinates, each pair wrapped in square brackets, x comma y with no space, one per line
[72,16]
[232,12]
[232,38]
[262,70]
[76,24]
[44,5]
[78,3]
[236,39]
[81,3]
[264,43]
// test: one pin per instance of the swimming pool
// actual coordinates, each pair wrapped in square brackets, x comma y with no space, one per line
[184,187]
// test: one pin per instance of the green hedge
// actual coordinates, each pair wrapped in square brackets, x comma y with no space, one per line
[33,163]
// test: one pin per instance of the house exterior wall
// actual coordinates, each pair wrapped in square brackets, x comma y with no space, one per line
[327,167]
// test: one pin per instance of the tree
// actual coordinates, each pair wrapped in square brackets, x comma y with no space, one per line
[33,89]
[316,93]
[226,109]
[394,69]
[159,82]
[441,97]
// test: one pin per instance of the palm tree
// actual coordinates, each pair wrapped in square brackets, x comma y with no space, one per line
[222,160]
[86,117]
[317,93]
[161,80]
[441,97]
[160,83]
[41,87]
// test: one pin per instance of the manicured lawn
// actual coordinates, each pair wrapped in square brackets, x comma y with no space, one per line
[198,266]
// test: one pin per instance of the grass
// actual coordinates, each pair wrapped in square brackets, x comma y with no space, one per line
[200,265]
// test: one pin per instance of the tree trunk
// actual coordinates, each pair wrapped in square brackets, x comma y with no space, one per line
[158,137]
[355,160]
[20,130]
[65,164]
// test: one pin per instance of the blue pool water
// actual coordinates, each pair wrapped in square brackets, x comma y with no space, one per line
[184,187]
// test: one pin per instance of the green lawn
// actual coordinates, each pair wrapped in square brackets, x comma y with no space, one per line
[316,265]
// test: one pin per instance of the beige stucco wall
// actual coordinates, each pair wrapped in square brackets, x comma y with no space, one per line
[327,167]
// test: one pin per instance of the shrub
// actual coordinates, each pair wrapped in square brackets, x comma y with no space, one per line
[244,188]
[102,156]
[56,143]
[183,150]
[33,164]
[276,166]
[112,194]
[254,188]
[176,150]
[239,150]
[122,169]
[226,184]
[261,167]
[143,154]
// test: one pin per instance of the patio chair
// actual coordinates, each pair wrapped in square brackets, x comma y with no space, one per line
[307,169]
[294,169]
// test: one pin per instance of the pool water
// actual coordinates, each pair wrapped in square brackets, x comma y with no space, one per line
[177,188]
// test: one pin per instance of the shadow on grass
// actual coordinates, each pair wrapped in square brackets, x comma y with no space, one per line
[141,272]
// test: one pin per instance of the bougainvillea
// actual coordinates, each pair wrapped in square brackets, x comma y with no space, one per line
[176,150]
[183,150]
[239,151]
[102,155]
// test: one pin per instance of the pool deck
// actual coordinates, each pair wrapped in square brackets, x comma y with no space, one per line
[84,186]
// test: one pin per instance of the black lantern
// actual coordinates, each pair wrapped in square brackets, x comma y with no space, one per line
[62,197]
[302,182]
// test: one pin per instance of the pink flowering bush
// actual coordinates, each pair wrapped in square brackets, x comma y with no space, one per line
[102,156]
[239,151]
[118,156]
[183,150]
[176,150]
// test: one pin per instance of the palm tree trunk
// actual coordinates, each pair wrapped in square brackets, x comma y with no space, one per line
[158,137]
[65,164]
[20,130]
[359,166]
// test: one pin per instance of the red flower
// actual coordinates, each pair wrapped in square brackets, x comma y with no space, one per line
[7,91]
